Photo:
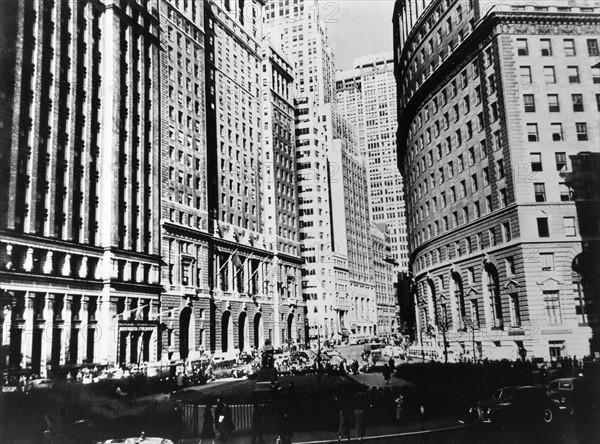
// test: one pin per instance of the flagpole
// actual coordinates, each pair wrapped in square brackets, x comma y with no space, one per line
[227,261]
[242,266]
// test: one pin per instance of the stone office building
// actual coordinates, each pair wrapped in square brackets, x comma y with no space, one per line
[498,144]
[79,242]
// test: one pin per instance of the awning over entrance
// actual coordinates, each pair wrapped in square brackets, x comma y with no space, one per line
[345,332]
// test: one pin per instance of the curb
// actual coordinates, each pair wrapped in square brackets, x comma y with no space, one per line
[391,435]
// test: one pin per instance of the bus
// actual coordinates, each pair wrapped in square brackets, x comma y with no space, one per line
[357,338]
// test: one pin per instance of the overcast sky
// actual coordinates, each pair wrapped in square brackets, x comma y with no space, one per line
[357,28]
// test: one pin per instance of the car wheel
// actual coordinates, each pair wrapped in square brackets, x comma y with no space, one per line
[548,415]
[570,409]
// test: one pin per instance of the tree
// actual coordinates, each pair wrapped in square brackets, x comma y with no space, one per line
[443,326]
[470,326]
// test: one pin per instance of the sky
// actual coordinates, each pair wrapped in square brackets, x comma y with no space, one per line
[357,28]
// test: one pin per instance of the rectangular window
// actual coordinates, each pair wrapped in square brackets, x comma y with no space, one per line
[492,236]
[536,162]
[596,74]
[577,102]
[573,74]
[503,199]
[525,75]
[532,132]
[581,129]
[509,263]
[598,102]
[522,48]
[552,304]
[553,105]
[529,101]
[506,233]
[592,45]
[556,130]
[561,161]
[515,311]
[486,176]
[500,168]
[540,192]
[549,75]
[547,261]
[542,226]
[569,226]
[566,194]
[476,209]
[546,47]
[474,314]
[569,47]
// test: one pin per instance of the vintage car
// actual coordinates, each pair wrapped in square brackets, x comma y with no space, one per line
[568,394]
[516,404]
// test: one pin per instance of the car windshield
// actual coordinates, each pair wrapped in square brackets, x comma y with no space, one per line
[504,394]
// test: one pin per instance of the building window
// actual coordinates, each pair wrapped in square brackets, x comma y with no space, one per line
[552,304]
[522,48]
[503,198]
[581,129]
[561,161]
[542,226]
[547,260]
[539,190]
[556,348]
[553,105]
[492,237]
[556,130]
[569,226]
[569,47]
[566,194]
[532,132]
[525,75]
[536,162]
[515,311]
[546,47]
[549,75]
[529,101]
[592,45]
[598,102]
[596,74]
[509,262]
[506,233]
[577,102]
[474,314]
[500,168]
[573,74]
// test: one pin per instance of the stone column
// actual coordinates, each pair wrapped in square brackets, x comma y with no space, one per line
[127,353]
[83,329]
[47,335]
[28,330]
[230,278]
[67,325]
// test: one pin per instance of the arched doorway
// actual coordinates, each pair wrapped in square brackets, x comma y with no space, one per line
[290,327]
[225,333]
[259,339]
[243,336]
[184,332]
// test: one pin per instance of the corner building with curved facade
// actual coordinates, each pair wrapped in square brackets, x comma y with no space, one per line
[498,146]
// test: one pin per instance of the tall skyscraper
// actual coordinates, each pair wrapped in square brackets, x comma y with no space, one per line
[366,97]
[280,191]
[79,214]
[184,218]
[241,264]
[498,146]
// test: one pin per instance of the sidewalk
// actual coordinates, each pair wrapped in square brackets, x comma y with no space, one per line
[375,433]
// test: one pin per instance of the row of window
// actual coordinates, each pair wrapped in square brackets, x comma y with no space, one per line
[569,47]
[530,100]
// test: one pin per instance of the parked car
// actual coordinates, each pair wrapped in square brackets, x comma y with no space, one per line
[568,394]
[40,383]
[516,403]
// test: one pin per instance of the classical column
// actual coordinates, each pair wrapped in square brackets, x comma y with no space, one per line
[28,330]
[46,358]
[83,329]
[67,325]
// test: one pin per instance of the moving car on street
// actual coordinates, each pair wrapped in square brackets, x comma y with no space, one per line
[516,404]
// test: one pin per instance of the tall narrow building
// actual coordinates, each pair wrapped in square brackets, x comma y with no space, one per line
[281,198]
[366,97]
[241,264]
[185,300]
[498,145]
[79,217]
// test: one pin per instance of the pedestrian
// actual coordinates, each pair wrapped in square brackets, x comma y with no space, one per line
[422,414]
[387,373]
[208,427]
[359,422]
[392,363]
[257,419]
[225,424]
[399,407]
[344,425]
[218,418]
